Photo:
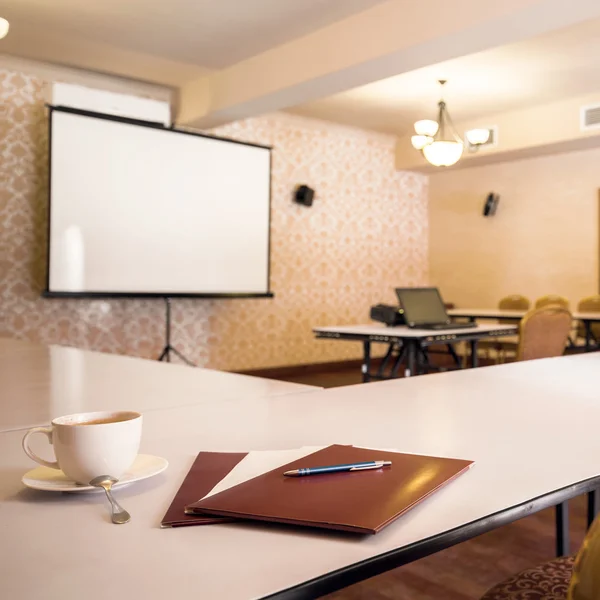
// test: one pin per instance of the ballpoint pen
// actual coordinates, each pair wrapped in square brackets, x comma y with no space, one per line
[360,466]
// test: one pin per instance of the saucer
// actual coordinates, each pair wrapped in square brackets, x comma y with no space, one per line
[53,480]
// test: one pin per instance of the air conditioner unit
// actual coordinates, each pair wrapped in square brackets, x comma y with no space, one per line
[110,103]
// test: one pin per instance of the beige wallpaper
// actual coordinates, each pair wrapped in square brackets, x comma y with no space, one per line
[366,233]
[543,239]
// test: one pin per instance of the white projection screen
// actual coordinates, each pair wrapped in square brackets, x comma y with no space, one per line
[141,210]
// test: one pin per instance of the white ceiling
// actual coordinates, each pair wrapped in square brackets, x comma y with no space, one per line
[162,41]
[539,70]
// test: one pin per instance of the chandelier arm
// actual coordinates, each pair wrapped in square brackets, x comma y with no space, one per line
[441,121]
[452,127]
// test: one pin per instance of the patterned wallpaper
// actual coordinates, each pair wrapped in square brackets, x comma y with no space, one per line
[365,234]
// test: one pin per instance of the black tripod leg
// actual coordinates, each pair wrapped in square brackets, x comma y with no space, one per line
[182,357]
[166,353]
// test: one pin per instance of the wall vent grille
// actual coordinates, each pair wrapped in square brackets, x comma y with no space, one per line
[590,117]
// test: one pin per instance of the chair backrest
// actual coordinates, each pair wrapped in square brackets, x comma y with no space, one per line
[589,304]
[552,299]
[585,581]
[543,332]
[514,302]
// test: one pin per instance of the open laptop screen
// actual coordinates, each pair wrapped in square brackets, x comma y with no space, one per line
[422,306]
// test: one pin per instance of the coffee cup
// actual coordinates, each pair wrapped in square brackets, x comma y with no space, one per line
[87,445]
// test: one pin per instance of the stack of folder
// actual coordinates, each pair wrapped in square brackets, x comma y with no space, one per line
[222,487]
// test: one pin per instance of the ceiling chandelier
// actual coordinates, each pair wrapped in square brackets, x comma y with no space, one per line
[438,141]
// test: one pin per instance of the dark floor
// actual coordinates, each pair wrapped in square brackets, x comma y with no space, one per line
[329,379]
[466,571]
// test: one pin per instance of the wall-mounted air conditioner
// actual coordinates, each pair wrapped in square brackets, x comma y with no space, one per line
[110,103]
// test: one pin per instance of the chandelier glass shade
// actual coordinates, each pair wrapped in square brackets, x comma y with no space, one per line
[443,153]
[437,140]
[476,137]
[420,141]
[426,127]
[4,26]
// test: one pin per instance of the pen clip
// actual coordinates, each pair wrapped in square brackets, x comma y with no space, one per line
[369,468]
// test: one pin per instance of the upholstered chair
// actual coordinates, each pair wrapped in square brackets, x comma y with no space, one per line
[552,299]
[566,578]
[543,332]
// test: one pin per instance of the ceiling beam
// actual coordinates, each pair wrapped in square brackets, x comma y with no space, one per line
[386,40]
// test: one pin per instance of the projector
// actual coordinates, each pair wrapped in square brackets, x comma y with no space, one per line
[390,315]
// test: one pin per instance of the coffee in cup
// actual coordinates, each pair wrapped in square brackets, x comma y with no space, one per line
[87,445]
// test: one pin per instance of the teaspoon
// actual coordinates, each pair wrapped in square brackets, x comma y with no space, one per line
[119,514]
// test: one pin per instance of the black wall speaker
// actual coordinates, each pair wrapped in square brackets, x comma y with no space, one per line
[491,204]
[304,195]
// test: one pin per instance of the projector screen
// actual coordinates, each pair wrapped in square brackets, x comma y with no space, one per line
[139,210]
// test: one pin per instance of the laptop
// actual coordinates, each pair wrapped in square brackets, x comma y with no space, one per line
[423,308]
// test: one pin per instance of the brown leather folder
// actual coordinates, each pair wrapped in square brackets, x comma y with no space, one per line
[359,501]
[208,469]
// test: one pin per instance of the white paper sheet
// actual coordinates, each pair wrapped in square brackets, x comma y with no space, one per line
[258,462]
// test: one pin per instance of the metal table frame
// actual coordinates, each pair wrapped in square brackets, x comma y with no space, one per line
[410,350]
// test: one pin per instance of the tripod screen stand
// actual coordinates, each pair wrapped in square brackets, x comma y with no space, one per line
[168,349]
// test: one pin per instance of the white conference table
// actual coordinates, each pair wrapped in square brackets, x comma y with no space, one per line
[507,418]
[587,318]
[40,382]
[411,342]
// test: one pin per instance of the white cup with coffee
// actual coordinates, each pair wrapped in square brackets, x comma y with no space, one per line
[87,445]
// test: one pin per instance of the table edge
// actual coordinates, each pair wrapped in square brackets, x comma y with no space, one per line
[375,565]
[508,314]
[433,336]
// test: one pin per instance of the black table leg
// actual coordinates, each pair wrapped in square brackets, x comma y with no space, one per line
[423,363]
[588,336]
[420,360]
[411,358]
[366,366]
[563,544]
[474,357]
[384,362]
[452,352]
[399,359]
[593,506]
